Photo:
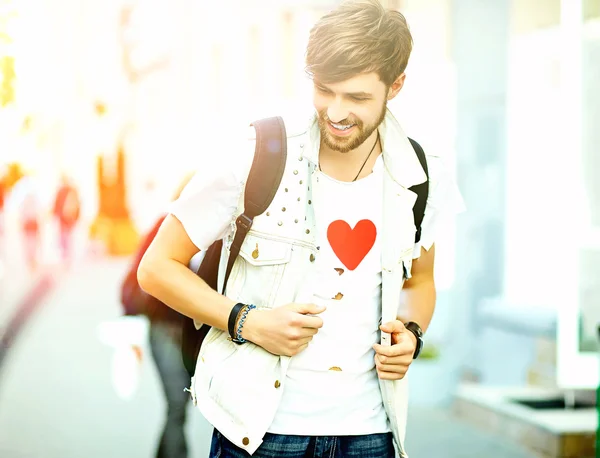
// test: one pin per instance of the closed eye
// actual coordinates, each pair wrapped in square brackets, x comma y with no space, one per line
[354,98]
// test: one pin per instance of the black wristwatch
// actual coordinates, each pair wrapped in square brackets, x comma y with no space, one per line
[418,332]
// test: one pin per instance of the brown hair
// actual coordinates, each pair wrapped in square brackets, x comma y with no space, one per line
[360,36]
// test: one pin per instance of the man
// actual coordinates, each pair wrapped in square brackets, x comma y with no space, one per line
[332,266]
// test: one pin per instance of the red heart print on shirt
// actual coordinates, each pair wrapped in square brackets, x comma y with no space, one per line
[351,245]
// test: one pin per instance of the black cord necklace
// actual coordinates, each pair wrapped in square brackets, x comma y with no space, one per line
[370,152]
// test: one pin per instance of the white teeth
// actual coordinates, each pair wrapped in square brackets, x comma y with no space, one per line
[341,127]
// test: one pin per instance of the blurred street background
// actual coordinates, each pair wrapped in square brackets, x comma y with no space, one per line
[105,107]
[57,395]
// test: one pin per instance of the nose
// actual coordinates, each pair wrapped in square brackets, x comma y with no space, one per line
[337,112]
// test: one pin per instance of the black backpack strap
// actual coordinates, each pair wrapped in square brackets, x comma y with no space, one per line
[422,191]
[270,156]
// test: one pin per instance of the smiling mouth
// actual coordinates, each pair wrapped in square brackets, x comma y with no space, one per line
[341,127]
[340,130]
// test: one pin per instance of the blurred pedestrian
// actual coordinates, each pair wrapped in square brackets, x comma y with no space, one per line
[26,200]
[66,210]
[30,226]
[165,346]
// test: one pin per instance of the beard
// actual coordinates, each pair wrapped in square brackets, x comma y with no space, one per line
[347,144]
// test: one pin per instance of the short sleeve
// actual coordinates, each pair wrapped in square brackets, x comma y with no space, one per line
[444,202]
[208,204]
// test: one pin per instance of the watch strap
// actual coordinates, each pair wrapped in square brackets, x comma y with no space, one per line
[233,318]
[418,332]
[414,328]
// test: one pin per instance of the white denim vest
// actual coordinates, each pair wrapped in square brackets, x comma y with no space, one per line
[237,388]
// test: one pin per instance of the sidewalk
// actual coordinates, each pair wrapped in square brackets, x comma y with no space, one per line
[57,398]
[56,392]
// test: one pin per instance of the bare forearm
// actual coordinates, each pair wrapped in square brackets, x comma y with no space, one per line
[419,303]
[181,289]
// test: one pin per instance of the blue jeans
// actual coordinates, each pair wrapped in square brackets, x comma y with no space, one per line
[281,446]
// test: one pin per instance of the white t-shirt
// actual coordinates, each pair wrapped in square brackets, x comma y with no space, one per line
[338,364]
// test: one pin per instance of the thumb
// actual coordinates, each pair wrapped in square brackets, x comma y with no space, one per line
[308,309]
[393,326]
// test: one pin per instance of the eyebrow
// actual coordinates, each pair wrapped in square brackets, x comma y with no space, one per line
[351,94]
[358,94]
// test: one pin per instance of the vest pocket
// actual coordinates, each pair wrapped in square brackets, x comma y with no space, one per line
[260,251]
[260,268]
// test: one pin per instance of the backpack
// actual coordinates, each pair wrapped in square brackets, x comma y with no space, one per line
[269,163]
[134,299]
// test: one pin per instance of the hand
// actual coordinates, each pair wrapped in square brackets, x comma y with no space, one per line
[392,362]
[285,330]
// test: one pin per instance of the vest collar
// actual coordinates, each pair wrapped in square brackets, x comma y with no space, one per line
[399,157]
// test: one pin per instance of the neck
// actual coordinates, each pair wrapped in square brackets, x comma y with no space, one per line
[345,166]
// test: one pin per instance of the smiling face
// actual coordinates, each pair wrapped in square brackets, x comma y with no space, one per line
[349,112]
[356,56]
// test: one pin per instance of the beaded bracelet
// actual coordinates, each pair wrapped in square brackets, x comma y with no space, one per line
[243,314]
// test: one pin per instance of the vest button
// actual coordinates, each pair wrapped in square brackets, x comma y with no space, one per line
[277,384]
[245,441]
[312,257]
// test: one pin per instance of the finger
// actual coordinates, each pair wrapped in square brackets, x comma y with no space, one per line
[401,349]
[304,341]
[393,360]
[402,338]
[392,368]
[393,326]
[398,369]
[390,375]
[312,322]
[300,349]
[311,309]
[306,332]
[384,350]
[302,333]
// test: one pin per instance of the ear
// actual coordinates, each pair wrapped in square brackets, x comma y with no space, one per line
[396,86]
